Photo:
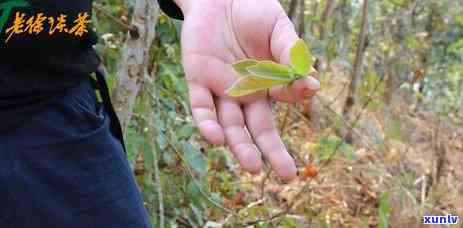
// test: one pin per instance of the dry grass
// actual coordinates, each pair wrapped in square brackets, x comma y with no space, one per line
[421,172]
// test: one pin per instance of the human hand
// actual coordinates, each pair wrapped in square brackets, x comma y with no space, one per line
[217,33]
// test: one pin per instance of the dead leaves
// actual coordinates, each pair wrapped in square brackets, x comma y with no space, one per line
[418,76]
[308,172]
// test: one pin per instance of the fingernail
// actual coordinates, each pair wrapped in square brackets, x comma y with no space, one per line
[313,83]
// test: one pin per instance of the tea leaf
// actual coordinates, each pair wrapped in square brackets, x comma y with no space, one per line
[261,75]
[241,67]
[301,58]
[252,83]
[269,69]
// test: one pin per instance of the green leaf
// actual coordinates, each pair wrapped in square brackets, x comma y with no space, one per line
[197,213]
[148,155]
[270,69]
[457,46]
[241,67]
[252,83]
[301,58]
[384,210]
[289,222]
[186,131]
[193,192]
[348,151]
[195,159]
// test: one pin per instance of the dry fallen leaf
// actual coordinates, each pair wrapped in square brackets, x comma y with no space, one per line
[309,171]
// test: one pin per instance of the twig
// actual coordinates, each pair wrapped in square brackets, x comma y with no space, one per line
[190,173]
[159,187]
[102,10]
[423,191]
[262,185]
[344,86]
[187,168]
[328,108]
[249,206]
[180,219]
[290,205]
[152,133]
[285,118]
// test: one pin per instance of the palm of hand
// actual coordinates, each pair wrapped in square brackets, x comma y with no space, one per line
[218,33]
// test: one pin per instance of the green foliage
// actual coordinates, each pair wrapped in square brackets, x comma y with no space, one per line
[384,210]
[372,85]
[289,222]
[326,147]
[300,58]
[403,36]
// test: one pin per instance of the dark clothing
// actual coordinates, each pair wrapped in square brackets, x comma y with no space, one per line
[171,9]
[66,169]
[40,59]
[62,160]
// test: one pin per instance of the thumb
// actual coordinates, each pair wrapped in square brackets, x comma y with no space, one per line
[283,38]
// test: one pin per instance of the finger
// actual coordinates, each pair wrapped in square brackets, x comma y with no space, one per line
[210,72]
[237,137]
[298,91]
[260,123]
[203,109]
[283,38]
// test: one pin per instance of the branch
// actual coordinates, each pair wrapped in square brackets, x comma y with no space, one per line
[351,127]
[100,9]
[356,77]
[326,14]
[292,9]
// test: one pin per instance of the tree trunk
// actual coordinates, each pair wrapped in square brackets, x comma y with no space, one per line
[356,73]
[344,14]
[301,27]
[314,14]
[135,59]
[425,54]
[323,21]
[322,31]
[292,10]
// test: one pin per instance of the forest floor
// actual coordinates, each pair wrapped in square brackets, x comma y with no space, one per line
[382,177]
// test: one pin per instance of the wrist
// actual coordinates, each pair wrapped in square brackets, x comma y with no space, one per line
[187,5]
[184,5]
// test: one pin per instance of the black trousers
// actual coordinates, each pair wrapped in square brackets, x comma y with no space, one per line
[67,168]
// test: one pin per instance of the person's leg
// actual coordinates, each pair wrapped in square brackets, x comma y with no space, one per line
[6,205]
[69,171]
